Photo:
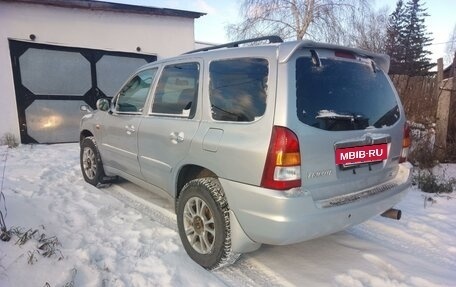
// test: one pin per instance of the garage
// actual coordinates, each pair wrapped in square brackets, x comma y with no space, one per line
[52,82]
[56,55]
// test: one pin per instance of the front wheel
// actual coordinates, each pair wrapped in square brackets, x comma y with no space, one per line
[203,221]
[91,165]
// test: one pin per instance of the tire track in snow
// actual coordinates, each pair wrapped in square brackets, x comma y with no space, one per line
[396,239]
[155,212]
[247,271]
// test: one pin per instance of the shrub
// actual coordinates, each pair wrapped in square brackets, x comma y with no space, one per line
[451,149]
[430,183]
[10,140]
[422,152]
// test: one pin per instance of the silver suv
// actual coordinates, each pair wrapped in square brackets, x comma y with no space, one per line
[270,144]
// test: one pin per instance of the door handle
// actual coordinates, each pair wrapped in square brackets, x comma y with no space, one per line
[130,129]
[176,137]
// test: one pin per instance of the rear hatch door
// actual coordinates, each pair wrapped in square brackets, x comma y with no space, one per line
[349,122]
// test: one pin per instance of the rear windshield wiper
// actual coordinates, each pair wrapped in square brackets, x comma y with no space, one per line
[325,114]
[355,121]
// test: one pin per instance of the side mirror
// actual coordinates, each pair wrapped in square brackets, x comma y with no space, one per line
[85,109]
[103,105]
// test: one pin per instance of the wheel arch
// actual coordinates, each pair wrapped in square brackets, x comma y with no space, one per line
[189,172]
[84,134]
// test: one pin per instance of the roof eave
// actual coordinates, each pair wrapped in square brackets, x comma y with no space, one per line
[113,7]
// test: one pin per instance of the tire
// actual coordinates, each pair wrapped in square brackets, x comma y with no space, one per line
[91,165]
[203,211]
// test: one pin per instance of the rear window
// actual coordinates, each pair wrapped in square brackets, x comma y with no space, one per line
[343,95]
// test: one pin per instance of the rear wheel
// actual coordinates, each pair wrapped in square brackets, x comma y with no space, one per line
[91,165]
[204,223]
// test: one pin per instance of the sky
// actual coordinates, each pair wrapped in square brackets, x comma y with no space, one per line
[211,27]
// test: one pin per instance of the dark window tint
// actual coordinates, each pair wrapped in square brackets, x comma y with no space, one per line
[177,90]
[344,95]
[238,89]
[134,94]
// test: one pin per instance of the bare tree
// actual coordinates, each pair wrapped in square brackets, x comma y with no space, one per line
[450,47]
[367,29]
[346,22]
[291,19]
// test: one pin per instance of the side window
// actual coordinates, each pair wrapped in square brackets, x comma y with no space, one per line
[133,95]
[238,89]
[177,90]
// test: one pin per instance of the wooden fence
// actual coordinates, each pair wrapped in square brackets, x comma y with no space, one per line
[430,100]
[452,117]
[418,96]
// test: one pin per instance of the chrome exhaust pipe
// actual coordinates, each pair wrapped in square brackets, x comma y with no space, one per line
[392,213]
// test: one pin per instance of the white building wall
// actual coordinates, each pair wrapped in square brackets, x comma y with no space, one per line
[200,45]
[162,36]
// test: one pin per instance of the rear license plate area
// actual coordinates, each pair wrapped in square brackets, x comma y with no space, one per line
[358,155]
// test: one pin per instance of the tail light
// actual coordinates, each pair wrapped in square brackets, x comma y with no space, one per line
[406,142]
[282,169]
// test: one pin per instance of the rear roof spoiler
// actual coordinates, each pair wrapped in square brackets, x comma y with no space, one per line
[287,49]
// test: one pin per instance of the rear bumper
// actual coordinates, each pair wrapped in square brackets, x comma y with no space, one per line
[279,218]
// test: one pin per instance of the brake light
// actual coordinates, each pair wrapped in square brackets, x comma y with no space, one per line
[344,54]
[406,143]
[282,169]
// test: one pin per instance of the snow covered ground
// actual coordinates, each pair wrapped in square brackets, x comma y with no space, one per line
[125,236]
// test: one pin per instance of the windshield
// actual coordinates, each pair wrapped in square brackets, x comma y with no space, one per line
[344,95]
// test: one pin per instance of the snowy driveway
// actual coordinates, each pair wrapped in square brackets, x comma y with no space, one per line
[124,236]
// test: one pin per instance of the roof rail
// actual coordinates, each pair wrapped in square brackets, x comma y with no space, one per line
[271,39]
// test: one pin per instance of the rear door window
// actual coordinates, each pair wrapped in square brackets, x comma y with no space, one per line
[238,89]
[344,95]
[177,90]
